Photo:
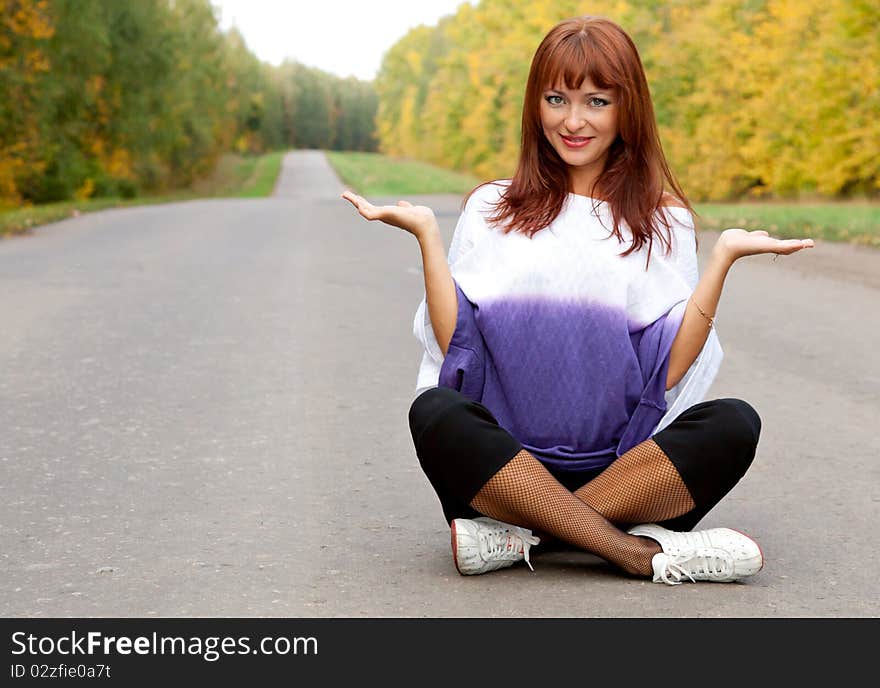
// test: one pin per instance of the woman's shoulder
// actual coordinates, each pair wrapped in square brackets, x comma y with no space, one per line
[682,255]
[486,194]
[676,212]
[474,221]
[672,201]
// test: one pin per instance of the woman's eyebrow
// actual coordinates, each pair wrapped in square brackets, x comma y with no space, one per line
[591,93]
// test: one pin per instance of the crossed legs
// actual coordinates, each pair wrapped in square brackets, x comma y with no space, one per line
[642,485]
[476,468]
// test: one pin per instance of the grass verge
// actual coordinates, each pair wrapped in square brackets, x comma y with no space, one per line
[852,222]
[849,221]
[235,176]
[373,174]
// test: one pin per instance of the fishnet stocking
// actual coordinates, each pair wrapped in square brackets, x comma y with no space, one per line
[524,493]
[641,486]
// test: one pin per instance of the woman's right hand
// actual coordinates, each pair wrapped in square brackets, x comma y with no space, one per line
[415,219]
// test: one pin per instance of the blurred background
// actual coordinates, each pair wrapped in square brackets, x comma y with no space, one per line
[768,109]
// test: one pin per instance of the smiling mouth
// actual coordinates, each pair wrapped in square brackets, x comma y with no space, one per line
[576,142]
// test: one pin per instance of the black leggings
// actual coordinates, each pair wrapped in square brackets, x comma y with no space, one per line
[461,446]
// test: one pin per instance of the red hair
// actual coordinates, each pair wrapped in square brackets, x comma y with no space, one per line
[636,179]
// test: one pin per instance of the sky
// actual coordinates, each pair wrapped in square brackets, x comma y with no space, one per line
[344,37]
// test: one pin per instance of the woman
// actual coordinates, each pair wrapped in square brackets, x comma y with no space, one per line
[566,355]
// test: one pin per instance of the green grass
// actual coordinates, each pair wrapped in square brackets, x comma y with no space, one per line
[853,222]
[234,177]
[373,174]
[255,176]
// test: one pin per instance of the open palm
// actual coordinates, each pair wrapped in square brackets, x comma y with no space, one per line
[415,219]
[738,243]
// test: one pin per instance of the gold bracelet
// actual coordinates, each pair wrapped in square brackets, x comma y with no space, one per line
[711,319]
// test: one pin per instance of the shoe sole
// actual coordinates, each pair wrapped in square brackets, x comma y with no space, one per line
[455,547]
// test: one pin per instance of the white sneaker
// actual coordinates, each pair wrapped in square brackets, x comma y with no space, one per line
[719,555]
[483,544]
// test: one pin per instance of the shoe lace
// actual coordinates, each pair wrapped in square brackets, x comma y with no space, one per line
[506,543]
[706,561]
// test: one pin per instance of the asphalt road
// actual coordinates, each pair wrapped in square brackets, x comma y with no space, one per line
[203,410]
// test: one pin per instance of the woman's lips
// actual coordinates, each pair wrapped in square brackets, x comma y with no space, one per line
[576,143]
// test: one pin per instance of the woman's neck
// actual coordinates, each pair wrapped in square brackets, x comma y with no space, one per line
[583,184]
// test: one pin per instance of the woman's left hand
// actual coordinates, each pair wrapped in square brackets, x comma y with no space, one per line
[737,243]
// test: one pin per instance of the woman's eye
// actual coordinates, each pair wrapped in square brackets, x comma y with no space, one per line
[595,101]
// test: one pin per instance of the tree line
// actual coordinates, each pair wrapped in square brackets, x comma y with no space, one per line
[116,97]
[754,98]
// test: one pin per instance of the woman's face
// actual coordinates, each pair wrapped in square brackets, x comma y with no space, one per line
[581,125]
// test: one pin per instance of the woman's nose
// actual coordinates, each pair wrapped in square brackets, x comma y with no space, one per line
[575,121]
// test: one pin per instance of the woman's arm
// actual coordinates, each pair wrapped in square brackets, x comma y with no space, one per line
[439,286]
[732,245]
[695,326]
[419,221]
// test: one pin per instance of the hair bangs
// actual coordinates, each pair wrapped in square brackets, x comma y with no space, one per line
[576,56]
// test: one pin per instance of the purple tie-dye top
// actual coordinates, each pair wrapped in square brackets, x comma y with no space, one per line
[564,341]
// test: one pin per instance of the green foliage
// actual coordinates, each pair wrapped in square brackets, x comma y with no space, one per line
[754,99]
[235,176]
[123,97]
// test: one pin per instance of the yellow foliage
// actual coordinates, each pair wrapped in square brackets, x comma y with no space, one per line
[95,84]
[29,19]
[9,168]
[761,99]
[36,61]
[86,190]
[96,146]
[25,27]
[119,164]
